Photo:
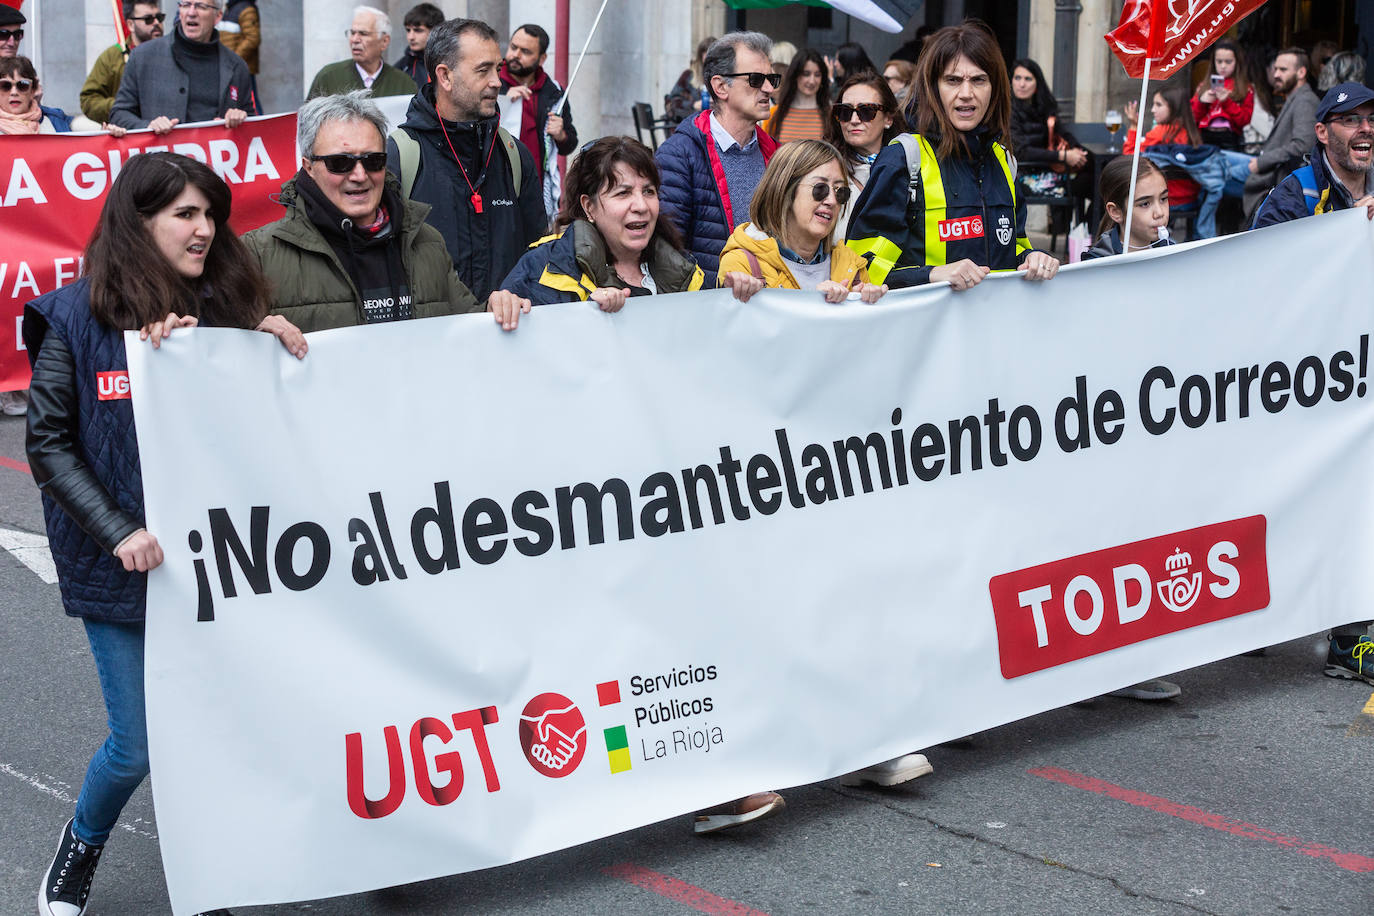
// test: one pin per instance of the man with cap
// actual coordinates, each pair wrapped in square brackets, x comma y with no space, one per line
[1338,174]
[11,30]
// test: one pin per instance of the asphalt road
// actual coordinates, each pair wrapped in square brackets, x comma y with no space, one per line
[1251,793]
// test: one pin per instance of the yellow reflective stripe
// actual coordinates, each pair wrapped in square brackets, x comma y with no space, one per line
[566,284]
[885,254]
[1022,246]
[1324,202]
[547,238]
[698,278]
[1000,152]
[933,187]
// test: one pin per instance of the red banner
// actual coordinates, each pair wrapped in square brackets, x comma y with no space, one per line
[52,187]
[1189,27]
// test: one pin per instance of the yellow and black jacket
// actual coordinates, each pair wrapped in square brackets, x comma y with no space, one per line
[964,207]
[570,266]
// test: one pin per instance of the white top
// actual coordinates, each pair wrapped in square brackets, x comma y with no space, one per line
[809,276]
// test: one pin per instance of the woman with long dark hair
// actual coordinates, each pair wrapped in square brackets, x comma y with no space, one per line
[161,258]
[850,60]
[613,241]
[1174,124]
[803,100]
[963,217]
[863,120]
[1052,161]
[1224,102]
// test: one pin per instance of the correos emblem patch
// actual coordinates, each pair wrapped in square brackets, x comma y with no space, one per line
[553,734]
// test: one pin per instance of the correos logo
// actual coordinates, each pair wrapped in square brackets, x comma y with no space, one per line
[553,734]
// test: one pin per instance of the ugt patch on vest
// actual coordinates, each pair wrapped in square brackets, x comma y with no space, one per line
[963,227]
[112,386]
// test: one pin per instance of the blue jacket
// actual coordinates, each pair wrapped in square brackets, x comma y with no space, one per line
[93,583]
[693,192]
[61,121]
[1307,191]
[570,266]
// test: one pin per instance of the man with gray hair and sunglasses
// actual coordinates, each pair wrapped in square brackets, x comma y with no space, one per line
[368,36]
[350,249]
[714,161]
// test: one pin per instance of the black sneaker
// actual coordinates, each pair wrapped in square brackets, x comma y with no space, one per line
[1354,661]
[68,882]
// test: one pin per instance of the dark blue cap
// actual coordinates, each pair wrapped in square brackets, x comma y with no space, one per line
[1342,99]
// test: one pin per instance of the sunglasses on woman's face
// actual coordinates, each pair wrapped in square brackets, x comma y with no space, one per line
[21,85]
[343,163]
[866,112]
[756,80]
[822,189]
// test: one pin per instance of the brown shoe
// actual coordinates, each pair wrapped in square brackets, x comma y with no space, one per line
[740,811]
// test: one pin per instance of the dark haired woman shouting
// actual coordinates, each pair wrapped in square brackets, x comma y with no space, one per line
[963,217]
[162,257]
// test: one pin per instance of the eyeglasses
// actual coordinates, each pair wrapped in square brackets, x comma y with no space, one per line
[7,34]
[866,111]
[198,7]
[343,163]
[21,84]
[1352,120]
[151,17]
[756,80]
[357,33]
[821,190]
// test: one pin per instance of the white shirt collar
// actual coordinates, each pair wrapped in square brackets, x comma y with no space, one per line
[722,136]
[368,78]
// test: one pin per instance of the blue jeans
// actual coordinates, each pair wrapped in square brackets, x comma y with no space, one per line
[121,763]
[1237,170]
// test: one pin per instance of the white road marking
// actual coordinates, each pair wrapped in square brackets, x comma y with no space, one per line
[58,790]
[32,551]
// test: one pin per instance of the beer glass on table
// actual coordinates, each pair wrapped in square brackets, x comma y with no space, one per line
[1113,123]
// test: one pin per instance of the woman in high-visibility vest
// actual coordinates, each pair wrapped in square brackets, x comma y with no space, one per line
[941,204]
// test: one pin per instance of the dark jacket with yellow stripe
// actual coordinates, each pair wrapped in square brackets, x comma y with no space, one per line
[1308,191]
[570,266]
[964,207]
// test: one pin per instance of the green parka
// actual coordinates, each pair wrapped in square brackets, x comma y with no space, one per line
[311,289]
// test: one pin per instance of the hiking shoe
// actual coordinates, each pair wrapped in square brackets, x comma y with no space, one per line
[14,403]
[740,811]
[1148,690]
[890,772]
[68,882]
[1354,661]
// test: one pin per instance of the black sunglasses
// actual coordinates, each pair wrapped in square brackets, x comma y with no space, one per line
[756,80]
[343,163]
[149,19]
[821,190]
[867,112]
[7,34]
[21,84]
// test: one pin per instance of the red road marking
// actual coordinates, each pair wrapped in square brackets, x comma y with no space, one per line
[15,465]
[1347,860]
[701,900]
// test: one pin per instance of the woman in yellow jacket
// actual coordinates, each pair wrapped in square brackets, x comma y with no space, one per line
[790,243]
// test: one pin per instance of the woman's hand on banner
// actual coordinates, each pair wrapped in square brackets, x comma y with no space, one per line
[960,275]
[742,285]
[506,308]
[159,331]
[1039,266]
[290,336]
[610,298]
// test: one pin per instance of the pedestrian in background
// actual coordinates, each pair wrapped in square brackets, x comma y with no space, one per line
[803,100]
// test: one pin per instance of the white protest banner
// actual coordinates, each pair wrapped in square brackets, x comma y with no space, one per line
[439,597]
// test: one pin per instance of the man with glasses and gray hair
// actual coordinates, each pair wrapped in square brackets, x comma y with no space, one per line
[368,38]
[184,77]
[712,164]
[351,250]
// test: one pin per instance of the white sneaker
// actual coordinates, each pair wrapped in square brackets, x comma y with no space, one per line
[14,403]
[890,772]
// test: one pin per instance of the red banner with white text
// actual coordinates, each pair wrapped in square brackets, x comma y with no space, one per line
[1189,27]
[52,187]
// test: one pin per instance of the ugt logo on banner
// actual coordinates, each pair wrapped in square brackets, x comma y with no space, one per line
[1070,609]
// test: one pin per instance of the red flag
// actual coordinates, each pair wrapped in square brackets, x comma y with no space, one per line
[1181,30]
[14,3]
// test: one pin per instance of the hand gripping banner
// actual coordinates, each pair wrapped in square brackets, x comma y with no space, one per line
[541,587]
[52,187]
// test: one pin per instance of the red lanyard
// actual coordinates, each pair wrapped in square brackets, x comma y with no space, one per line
[476,198]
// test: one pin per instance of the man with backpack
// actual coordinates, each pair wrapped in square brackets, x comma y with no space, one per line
[451,153]
[1338,173]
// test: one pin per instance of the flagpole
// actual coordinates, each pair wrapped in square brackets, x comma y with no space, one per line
[1135,159]
[558,107]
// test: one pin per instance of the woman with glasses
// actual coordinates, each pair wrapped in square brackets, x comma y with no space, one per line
[789,242]
[863,120]
[20,112]
[803,101]
[170,216]
[941,204]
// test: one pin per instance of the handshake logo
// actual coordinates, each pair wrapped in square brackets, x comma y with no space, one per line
[553,734]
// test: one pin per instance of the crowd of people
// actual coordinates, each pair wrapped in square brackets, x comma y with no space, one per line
[830,176]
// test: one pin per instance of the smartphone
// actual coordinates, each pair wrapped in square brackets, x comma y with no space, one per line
[1218,81]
